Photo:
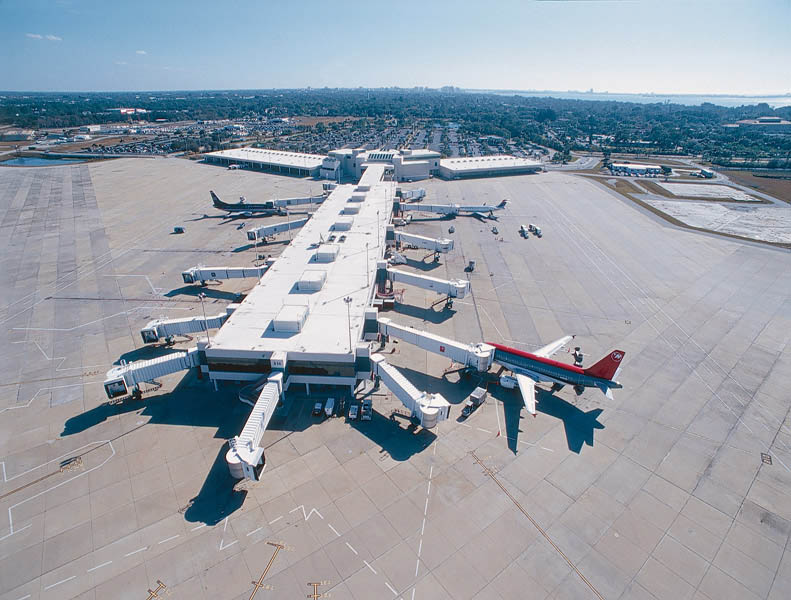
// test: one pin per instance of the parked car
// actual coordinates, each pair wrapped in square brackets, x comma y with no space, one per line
[354,412]
[317,408]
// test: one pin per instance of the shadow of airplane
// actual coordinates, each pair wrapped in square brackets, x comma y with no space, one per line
[579,425]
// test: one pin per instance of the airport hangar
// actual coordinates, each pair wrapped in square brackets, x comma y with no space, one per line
[350,163]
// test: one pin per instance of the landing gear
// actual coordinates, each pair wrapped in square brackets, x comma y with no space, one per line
[578,389]
[556,387]
[137,394]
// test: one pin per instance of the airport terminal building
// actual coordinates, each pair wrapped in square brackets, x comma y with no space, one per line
[350,163]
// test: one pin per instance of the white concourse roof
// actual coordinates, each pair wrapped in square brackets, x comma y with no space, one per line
[248,332]
[272,157]
[485,163]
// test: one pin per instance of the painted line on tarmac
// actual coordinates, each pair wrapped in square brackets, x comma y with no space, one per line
[49,587]
[104,564]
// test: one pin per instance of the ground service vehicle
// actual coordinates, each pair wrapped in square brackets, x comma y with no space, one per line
[366,411]
[477,398]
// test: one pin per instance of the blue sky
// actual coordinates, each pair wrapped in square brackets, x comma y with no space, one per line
[730,47]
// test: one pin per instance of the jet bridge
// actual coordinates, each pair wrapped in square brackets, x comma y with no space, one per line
[281,202]
[124,380]
[411,195]
[168,328]
[429,408]
[454,288]
[475,356]
[204,274]
[265,231]
[245,456]
[441,209]
[443,245]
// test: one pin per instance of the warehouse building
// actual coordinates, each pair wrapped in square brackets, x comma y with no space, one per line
[486,166]
[273,161]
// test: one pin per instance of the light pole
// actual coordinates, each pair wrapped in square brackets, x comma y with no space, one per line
[205,323]
[367,268]
[348,301]
[377,231]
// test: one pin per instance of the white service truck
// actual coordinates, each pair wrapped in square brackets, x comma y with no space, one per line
[477,398]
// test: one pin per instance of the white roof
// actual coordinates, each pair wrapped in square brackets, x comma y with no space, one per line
[272,157]
[636,166]
[248,331]
[420,152]
[487,163]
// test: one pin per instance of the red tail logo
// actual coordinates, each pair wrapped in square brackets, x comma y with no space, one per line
[607,366]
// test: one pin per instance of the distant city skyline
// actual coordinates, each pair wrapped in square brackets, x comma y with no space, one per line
[700,48]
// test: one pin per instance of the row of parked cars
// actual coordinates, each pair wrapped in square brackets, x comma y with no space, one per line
[362,411]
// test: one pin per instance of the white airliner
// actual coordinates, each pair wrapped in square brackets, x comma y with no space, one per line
[483,211]
[531,368]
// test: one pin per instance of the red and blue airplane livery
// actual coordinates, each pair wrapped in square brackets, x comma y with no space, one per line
[531,368]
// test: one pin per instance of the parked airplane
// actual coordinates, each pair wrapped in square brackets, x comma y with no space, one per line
[482,211]
[531,368]
[270,207]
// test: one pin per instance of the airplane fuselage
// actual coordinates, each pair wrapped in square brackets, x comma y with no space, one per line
[270,207]
[546,369]
[455,209]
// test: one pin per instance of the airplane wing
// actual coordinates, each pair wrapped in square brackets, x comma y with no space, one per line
[478,215]
[553,347]
[528,389]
